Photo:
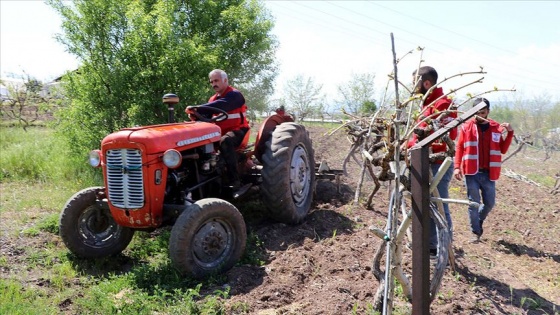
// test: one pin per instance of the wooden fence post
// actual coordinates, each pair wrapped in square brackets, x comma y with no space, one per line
[420,179]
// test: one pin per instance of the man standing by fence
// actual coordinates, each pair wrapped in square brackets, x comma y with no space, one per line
[433,107]
[478,157]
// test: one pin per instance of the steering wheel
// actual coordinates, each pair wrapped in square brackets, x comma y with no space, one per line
[221,114]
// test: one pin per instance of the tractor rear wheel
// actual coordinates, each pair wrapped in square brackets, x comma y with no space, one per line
[288,173]
[208,238]
[88,230]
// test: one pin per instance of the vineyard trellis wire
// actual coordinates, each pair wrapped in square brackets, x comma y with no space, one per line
[377,146]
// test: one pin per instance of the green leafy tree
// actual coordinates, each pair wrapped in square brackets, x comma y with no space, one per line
[133,52]
[539,109]
[303,97]
[536,116]
[257,94]
[554,115]
[502,113]
[358,94]
[275,104]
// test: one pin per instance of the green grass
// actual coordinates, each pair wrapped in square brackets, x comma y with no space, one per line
[254,251]
[40,275]
[16,299]
[37,176]
[38,155]
[547,181]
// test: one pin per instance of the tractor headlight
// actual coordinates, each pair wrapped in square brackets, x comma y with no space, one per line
[95,158]
[172,158]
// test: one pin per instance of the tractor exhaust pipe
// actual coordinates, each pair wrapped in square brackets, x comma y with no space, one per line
[170,99]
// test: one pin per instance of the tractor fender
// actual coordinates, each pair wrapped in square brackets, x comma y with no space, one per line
[265,132]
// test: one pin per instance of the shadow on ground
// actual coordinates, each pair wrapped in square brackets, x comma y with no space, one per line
[526,299]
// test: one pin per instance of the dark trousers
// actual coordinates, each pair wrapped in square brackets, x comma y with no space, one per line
[229,142]
[479,185]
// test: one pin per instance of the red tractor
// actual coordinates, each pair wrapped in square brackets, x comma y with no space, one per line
[172,174]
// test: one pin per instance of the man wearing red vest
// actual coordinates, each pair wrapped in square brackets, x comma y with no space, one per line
[478,157]
[234,127]
[426,77]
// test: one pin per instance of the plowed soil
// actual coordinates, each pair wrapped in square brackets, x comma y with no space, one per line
[323,266]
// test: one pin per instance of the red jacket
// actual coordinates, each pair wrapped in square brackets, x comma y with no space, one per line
[469,148]
[233,102]
[438,106]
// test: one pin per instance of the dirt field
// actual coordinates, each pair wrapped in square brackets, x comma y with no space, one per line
[323,266]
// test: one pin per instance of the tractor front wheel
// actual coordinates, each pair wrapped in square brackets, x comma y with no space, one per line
[88,230]
[208,238]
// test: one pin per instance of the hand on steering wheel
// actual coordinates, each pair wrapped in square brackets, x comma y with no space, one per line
[191,111]
[195,115]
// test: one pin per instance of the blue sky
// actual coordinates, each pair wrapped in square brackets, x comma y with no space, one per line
[517,42]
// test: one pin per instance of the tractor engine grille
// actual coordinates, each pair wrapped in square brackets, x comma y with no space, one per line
[124,178]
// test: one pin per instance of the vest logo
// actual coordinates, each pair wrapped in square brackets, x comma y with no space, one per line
[496,136]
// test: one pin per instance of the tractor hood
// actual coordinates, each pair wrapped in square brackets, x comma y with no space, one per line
[159,138]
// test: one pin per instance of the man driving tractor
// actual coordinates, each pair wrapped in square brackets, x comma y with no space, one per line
[234,127]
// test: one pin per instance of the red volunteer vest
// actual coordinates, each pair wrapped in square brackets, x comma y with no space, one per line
[440,105]
[470,162]
[237,118]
